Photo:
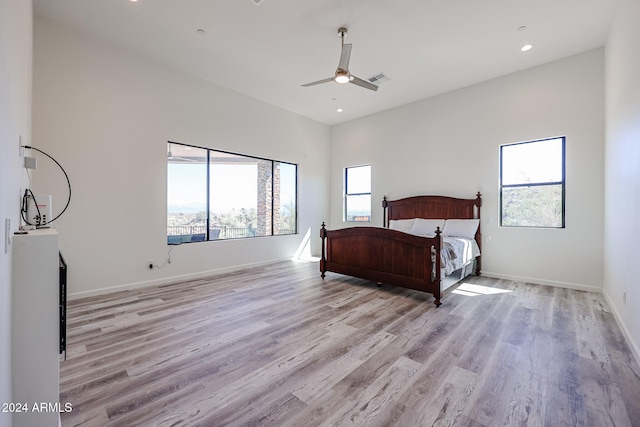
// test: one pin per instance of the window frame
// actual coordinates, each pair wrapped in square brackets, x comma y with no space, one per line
[347,194]
[562,184]
[208,212]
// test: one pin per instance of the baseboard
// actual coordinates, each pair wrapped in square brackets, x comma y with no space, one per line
[168,280]
[634,346]
[536,281]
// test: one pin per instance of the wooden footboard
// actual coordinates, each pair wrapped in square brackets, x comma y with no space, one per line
[384,256]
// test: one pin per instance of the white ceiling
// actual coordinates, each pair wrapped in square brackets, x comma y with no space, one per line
[267,51]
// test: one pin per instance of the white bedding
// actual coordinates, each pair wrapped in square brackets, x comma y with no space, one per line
[456,252]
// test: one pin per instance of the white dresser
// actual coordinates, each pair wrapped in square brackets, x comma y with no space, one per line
[35,336]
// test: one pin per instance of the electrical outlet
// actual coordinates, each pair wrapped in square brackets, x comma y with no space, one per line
[487,239]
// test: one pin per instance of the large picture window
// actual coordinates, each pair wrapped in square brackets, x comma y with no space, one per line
[357,198]
[217,195]
[532,184]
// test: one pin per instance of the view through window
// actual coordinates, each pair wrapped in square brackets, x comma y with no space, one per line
[532,183]
[357,184]
[216,195]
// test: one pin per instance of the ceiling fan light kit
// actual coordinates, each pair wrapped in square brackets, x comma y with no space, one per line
[342,77]
[342,74]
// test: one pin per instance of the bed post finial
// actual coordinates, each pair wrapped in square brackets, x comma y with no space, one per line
[384,211]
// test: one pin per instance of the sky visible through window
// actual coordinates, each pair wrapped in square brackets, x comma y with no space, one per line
[186,187]
[232,186]
[288,176]
[359,180]
[532,162]
[358,197]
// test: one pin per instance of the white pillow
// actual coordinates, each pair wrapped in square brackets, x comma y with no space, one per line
[403,225]
[426,227]
[461,228]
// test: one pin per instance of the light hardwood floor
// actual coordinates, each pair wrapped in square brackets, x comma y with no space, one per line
[278,346]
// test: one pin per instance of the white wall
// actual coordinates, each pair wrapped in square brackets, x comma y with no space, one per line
[622,169]
[16,42]
[106,115]
[449,145]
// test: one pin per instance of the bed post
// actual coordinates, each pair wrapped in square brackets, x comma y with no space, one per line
[438,280]
[384,211]
[479,235]
[323,260]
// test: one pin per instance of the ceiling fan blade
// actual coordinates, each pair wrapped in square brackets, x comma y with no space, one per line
[329,79]
[344,57]
[363,83]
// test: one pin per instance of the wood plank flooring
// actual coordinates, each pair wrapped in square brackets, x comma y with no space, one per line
[278,346]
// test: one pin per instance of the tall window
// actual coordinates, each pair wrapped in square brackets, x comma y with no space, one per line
[532,184]
[357,199]
[215,195]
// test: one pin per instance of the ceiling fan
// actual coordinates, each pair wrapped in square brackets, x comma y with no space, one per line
[342,74]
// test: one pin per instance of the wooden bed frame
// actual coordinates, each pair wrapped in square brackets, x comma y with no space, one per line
[389,256]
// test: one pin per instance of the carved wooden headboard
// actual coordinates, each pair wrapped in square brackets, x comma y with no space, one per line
[431,207]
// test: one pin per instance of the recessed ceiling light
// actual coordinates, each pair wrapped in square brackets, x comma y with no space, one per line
[339,110]
[200,31]
[526,47]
